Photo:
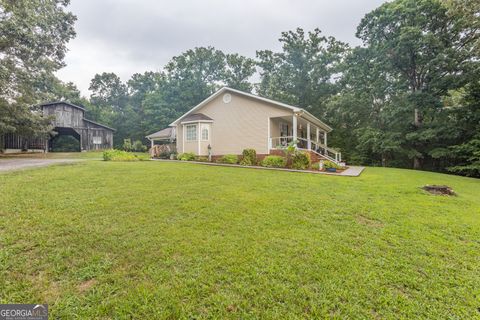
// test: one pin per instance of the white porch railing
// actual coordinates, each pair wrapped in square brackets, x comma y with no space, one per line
[302,143]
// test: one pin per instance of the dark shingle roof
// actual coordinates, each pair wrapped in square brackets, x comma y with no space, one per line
[196,117]
[166,133]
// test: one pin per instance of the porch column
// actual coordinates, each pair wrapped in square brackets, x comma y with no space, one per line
[151,143]
[199,132]
[294,127]
[318,135]
[309,143]
[325,138]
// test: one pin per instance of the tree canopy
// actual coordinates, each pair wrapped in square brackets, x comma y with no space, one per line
[409,96]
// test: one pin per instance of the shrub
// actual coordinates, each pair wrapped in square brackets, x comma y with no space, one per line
[229,158]
[301,160]
[187,156]
[330,164]
[138,146]
[316,166]
[274,162]
[249,157]
[120,155]
[127,145]
[202,159]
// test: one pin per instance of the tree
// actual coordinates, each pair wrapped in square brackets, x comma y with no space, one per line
[238,70]
[426,51]
[33,38]
[303,73]
[193,76]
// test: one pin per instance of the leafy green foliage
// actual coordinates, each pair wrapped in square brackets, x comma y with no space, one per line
[120,155]
[33,38]
[331,165]
[249,157]
[229,158]
[187,156]
[274,162]
[301,160]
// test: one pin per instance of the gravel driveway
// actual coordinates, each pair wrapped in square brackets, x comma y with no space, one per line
[18,164]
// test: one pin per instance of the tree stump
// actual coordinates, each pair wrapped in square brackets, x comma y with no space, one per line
[442,190]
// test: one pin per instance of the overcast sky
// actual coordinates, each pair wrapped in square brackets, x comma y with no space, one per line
[129,36]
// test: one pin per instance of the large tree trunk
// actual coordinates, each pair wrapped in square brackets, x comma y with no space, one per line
[417,122]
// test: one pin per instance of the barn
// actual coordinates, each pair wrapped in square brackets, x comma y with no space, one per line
[69,120]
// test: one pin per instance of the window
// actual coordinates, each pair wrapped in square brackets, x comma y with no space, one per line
[191,134]
[97,140]
[205,132]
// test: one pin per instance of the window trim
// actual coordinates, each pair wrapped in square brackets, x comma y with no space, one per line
[195,132]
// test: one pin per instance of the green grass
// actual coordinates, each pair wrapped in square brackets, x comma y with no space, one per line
[154,240]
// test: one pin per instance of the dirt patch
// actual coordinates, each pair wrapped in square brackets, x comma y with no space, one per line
[440,190]
[369,222]
[86,285]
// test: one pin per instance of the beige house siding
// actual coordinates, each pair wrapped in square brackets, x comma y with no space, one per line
[242,123]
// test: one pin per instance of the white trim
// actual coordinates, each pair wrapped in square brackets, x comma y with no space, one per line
[294,128]
[196,121]
[199,138]
[309,142]
[269,140]
[280,104]
[183,139]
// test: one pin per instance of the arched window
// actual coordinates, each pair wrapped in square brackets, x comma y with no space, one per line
[204,133]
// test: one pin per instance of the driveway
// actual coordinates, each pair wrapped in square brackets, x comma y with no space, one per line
[20,163]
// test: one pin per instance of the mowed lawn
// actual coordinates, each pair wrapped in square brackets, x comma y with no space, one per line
[155,240]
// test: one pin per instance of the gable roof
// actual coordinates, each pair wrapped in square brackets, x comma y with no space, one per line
[62,102]
[99,124]
[301,111]
[196,117]
[167,133]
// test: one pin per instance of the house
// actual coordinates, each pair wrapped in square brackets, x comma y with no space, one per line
[230,121]
[68,120]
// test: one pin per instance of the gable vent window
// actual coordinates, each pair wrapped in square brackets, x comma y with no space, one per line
[227,97]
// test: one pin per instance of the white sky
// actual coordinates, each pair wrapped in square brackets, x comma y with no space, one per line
[130,36]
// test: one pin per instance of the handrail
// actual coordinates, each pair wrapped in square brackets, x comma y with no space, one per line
[302,143]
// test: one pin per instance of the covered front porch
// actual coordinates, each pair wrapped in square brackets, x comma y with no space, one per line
[305,132]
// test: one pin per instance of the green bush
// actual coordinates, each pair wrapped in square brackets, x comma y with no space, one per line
[127,145]
[330,164]
[316,166]
[229,158]
[138,146]
[301,160]
[249,157]
[187,156]
[120,155]
[202,159]
[274,162]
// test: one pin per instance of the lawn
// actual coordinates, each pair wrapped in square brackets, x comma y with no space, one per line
[152,240]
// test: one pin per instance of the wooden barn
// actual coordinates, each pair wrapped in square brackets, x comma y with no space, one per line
[69,120]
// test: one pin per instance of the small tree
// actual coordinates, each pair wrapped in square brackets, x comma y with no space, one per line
[127,145]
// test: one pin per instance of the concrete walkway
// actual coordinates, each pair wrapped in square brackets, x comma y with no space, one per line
[12,164]
[352,171]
